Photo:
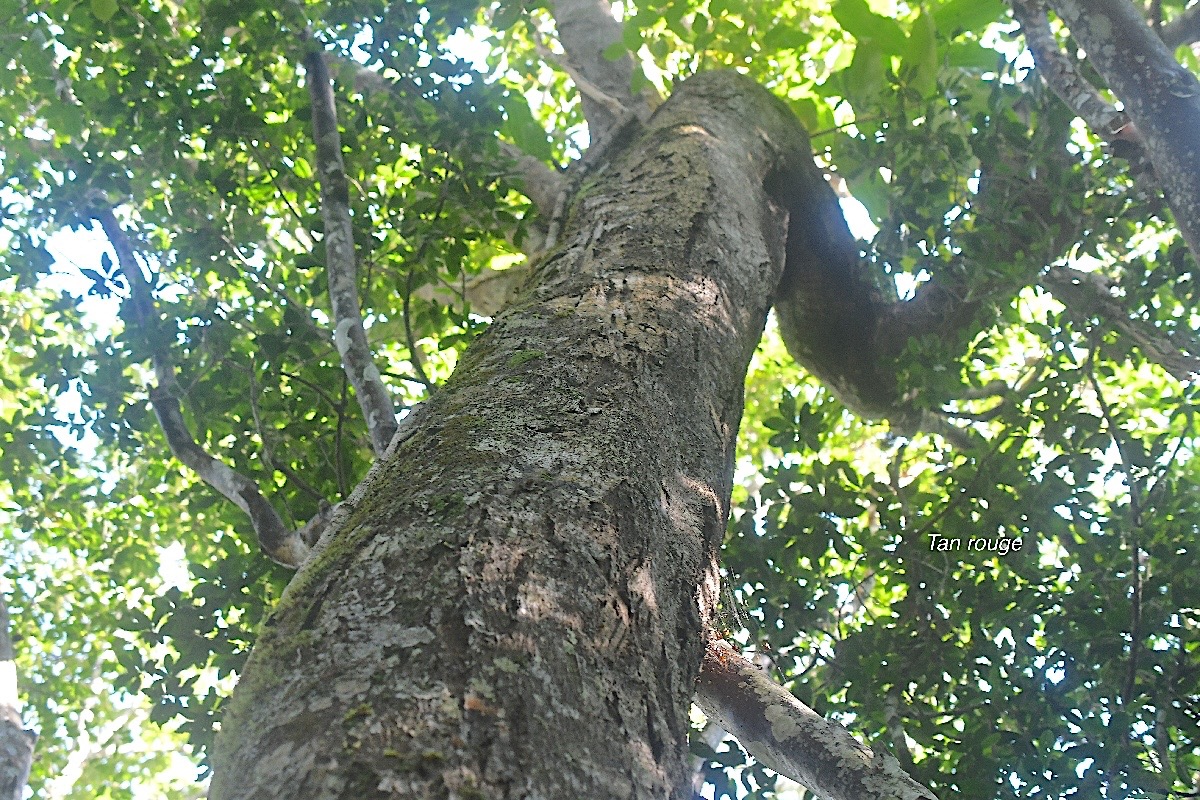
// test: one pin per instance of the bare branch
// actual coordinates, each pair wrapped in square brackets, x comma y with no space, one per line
[792,739]
[340,265]
[281,544]
[1085,293]
[1183,28]
[591,91]
[838,326]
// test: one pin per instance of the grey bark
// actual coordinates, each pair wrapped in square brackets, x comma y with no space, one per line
[1184,28]
[341,268]
[792,739]
[1060,73]
[586,28]
[1160,96]
[1087,294]
[516,607]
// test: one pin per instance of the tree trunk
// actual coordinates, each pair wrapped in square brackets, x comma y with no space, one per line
[516,608]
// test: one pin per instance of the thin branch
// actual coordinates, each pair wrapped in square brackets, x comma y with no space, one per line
[1114,431]
[268,452]
[338,437]
[895,728]
[614,107]
[1086,293]
[301,226]
[1161,97]
[413,352]
[1135,510]
[792,739]
[275,294]
[277,540]
[349,335]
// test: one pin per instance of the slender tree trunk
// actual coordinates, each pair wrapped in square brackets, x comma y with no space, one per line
[516,608]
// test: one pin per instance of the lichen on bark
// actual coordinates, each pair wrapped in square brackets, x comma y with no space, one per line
[552,521]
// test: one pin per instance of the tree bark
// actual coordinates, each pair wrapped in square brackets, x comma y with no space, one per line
[516,608]
[1160,96]
[16,743]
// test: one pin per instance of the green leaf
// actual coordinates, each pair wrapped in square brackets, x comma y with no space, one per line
[614,51]
[857,19]
[921,60]
[525,131]
[960,16]
[104,10]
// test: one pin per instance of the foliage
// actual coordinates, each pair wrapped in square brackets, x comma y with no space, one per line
[1069,666]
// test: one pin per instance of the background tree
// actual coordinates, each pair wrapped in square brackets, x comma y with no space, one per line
[306,217]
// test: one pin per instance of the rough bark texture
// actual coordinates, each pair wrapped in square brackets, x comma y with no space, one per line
[1161,97]
[516,608]
[791,738]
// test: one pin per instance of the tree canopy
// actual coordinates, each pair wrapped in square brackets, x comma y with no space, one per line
[977,556]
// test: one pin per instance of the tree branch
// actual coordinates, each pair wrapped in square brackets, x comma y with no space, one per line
[283,545]
[792,739]
[1083,294]
[586,28]
[833,320]
[340,267]
[1160,96]
[1183,28]
[1061,75]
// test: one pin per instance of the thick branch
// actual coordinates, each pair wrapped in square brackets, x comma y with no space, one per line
[16,743]
[1183,29]
[1081,293]
[1161,97]
[792,739]
[340,267]
[586,28]
[831,317]
[1061,75]
[281,544]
